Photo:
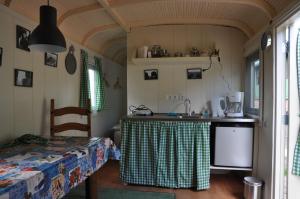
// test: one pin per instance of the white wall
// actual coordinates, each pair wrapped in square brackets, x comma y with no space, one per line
[24,110]
[172,78]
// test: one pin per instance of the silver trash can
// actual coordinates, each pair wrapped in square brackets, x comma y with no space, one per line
[252,188]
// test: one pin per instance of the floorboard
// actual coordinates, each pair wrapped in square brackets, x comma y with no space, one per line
[223,186]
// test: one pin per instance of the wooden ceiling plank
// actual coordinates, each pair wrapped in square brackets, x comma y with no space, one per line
[78,10]
[113,13]
[96,30]
[264,6]
[7,3]
[195,21]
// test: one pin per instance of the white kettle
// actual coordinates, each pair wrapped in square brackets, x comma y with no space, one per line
[218,106]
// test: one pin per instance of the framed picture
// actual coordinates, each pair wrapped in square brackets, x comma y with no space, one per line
[23,78]
[1,53]
[194,73]
[151,74]
[22,38]
[51,59]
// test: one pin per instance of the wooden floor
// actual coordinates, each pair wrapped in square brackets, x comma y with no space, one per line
[223,186]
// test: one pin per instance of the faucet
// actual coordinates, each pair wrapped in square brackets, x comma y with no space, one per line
[187,104]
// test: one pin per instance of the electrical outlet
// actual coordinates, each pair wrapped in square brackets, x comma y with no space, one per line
[181,98]
[175,98]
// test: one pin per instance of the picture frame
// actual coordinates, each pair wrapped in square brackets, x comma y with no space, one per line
[23,78]
[1,53]
[194,73]
[22,38]
[151,74]
[51,59]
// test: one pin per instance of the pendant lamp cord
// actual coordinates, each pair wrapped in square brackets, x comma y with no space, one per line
[48,3]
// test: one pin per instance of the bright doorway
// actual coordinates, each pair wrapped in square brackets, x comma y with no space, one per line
[287,108]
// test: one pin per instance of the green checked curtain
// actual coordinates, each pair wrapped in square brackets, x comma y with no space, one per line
[296,163]
[99,85]
[84,80]
[165,153]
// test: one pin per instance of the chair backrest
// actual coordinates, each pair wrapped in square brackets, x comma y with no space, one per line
[71,125]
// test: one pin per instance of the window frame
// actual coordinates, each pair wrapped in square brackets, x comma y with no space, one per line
[249,90]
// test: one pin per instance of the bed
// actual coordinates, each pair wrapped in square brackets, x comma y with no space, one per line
[51,169]
[40,167]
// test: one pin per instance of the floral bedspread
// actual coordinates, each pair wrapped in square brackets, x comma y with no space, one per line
[51,170]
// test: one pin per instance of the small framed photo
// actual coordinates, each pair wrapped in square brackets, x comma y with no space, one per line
[51,59]
[1,53]
[22,38]
[151,74]
[23,78]
[194,73]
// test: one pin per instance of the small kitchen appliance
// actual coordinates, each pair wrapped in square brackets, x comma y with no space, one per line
[141,110]
[234,104]
[218,105]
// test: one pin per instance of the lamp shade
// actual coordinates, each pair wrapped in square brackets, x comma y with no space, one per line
[46,37]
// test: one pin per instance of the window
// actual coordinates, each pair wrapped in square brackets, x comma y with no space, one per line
[92,86]
[252,86]
[298,50]
[95,85]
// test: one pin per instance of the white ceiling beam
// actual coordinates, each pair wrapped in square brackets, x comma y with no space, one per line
[264,6]
[91,33]
[78,10]
[113,13]
[195,21]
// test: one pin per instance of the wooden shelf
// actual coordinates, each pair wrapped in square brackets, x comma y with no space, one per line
[230,168]
[173,60]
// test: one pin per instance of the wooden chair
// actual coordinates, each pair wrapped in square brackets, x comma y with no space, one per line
[72,125]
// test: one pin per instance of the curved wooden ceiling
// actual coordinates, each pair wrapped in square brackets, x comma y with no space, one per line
[101,25]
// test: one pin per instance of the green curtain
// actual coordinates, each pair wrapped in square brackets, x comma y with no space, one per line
[84,80]
[99,85]
[139,151]
[166,153]
[296,162]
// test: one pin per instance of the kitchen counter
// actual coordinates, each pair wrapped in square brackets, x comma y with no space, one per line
[191,118]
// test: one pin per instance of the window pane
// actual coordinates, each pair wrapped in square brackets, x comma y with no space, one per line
[255,84]
[252,86]
[92,87]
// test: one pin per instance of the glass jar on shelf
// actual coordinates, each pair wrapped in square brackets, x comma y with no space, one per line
[156,51]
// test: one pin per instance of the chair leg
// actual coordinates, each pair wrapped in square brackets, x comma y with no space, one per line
[91,187]
[88,188]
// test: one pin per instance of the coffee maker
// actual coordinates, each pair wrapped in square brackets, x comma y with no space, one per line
[234,104]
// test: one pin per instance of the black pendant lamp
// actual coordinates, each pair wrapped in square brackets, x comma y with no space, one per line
[46,37]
